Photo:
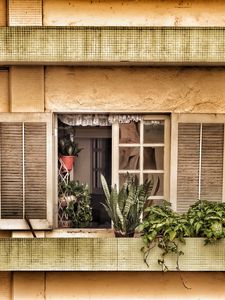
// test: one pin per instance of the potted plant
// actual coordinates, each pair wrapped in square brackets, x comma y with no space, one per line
[68,150]
[75,201]
[126,206]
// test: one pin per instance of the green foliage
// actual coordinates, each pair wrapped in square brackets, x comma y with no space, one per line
[68,147]
[207,219]
[126,206]
[163,227]
[78,209]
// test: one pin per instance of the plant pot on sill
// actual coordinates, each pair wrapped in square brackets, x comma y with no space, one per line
[121,234]
[68,161]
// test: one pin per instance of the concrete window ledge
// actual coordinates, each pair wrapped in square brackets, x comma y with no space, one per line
[103,254]
[112,45]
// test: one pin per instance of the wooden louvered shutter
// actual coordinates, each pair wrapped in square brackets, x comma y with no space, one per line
[200,158]
[26,171]
[212,162]
[188,165]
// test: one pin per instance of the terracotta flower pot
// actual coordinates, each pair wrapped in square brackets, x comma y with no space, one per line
[68,161]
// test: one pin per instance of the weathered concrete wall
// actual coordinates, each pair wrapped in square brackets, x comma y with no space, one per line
[3,19]
[27,89]
[102,285]
[143,89]
[25,12]
[134,13]
[4,91]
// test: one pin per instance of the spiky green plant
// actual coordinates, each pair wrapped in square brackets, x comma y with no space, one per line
[126,206]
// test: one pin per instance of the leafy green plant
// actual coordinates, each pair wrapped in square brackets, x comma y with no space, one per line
[207,219]
[68,147]
[126,206]
[163,227]
[78,208]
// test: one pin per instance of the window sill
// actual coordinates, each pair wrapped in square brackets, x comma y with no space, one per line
[103,254]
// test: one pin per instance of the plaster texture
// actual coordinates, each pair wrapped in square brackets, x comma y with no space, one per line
[144,89]
[120,286]
[134,13]
[27,89]
[4,91]
[3,19]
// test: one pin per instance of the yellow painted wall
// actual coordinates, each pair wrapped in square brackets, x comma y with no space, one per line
[26,89]
[5,286]
[4,91]
[120,286]
[143,89]
[3,19]
[134,13]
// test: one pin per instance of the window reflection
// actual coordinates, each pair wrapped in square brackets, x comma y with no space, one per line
[157,183]
[153,158]
[154,131]
[129,158]
[129,133]
[123,177]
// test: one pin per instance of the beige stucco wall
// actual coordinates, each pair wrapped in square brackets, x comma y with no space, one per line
[143,89]
[3,14]
[26,89]
[4,91]
[120,286]
[134,13]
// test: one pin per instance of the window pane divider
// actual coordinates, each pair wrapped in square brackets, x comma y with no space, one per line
[153,171]
[141,151]
[129,171]
[129,145]
[153,145]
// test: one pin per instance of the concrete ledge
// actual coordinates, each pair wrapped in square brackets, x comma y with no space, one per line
[103,254]
[112,45]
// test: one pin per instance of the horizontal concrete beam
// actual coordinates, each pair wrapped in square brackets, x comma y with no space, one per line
[112,45]
[104,254]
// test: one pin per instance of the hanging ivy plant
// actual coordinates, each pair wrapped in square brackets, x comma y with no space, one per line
[165,228]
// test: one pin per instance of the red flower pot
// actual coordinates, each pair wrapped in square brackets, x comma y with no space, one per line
[68,161]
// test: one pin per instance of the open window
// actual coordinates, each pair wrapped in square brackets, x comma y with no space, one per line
[112,145]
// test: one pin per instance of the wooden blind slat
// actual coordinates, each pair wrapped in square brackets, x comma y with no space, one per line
[188,165]
[212,162]
[35,170]
[11,144]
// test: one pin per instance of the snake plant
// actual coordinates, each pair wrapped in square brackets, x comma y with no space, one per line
[125,206]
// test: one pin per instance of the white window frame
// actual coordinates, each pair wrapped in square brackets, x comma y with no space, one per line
[37,224]
[166,145]
[189,118]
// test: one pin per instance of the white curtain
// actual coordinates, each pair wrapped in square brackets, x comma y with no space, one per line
[97,119]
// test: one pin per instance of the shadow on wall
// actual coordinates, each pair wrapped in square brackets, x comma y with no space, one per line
[118,285]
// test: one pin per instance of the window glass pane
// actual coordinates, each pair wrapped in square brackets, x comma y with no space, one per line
[122,178]
[157,183]
[154,131]
[129,158]
[153,158]
[129,133]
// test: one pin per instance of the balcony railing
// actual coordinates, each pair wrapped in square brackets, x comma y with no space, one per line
[112,45]
[103,254]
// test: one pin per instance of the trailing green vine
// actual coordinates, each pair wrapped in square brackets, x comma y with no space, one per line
[167,229]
